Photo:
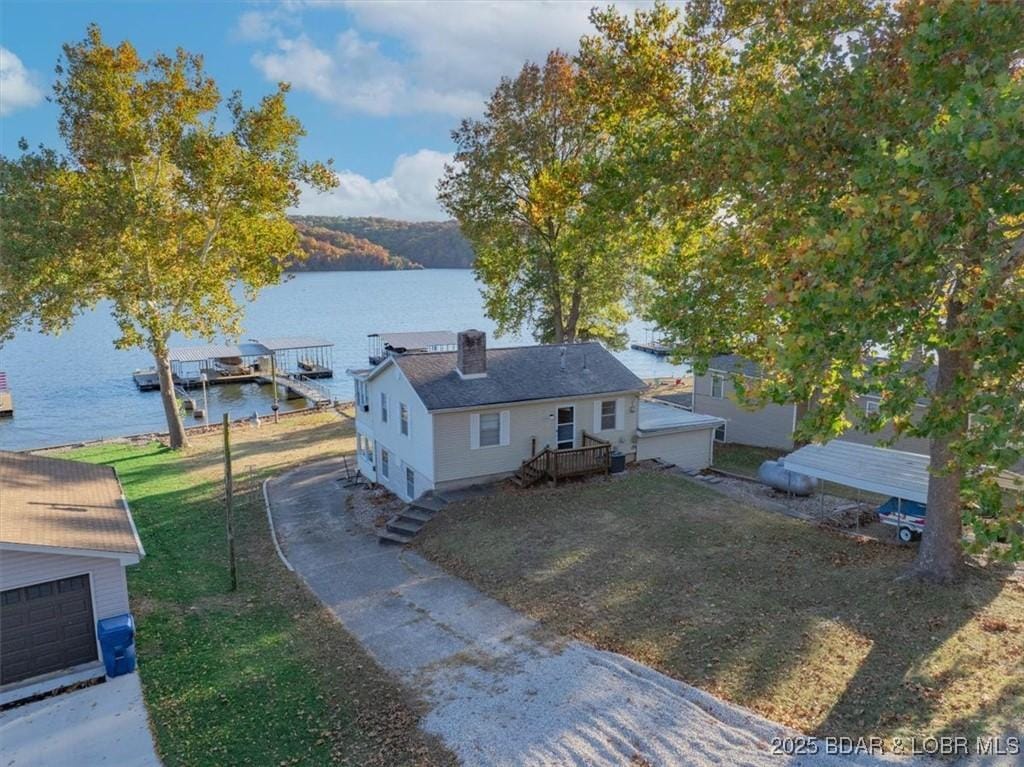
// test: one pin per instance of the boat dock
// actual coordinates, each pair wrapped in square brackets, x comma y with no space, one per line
[384,345]
[292,363]
[652,344]
[6,398]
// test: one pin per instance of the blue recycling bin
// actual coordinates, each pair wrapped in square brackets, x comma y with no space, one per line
[117,641]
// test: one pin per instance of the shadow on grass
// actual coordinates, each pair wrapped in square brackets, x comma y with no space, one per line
[805,626]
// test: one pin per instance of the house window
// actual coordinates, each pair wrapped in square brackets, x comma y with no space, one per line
[717,386]
[385,463]
[608,415]
[366,448]
[871,406]
[720,433]
[410,483]
[490,429]
[403,418]
[384,407]
[565,429]
[362,398]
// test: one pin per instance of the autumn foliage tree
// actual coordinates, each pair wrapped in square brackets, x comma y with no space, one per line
[526,187]
[840,186]
[152,207]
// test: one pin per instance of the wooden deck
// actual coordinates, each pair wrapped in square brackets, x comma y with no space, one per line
[6,404]
[593,457]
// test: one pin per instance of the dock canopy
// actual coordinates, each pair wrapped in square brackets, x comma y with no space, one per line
[251,348]
[872,469]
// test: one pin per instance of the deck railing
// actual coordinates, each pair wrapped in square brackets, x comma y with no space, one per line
[593,456]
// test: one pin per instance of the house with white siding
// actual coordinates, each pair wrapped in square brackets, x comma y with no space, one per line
[443,420]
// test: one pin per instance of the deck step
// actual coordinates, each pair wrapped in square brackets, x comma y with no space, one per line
[386,536]
[404,527]
[415,515]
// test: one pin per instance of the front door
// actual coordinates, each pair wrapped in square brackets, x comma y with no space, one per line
[565,429]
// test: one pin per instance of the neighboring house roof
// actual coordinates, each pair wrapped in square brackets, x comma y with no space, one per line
[56,503]
[657,417]
[682,399]
[517,374]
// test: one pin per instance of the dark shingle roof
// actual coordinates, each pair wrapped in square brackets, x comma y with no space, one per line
[517,374]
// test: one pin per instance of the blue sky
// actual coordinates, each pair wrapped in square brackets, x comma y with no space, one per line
[378,85]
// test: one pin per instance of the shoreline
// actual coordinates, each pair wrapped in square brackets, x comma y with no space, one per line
[209,428]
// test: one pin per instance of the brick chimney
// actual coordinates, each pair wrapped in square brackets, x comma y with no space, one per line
[472,360]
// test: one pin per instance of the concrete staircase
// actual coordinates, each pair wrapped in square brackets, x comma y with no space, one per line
[404,525]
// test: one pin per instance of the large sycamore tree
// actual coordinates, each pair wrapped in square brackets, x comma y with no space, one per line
[526,187]
[843,187]
[151,207]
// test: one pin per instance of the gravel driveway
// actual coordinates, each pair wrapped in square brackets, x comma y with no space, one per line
[499,689]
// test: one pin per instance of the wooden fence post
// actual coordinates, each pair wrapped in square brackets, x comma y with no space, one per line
[229,491]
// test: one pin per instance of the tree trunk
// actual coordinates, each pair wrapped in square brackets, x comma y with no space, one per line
[175,428]
[940,556]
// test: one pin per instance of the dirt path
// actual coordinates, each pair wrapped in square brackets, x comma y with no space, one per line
[498,689]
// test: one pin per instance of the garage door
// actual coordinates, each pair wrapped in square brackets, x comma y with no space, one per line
[46,627]
[687,449]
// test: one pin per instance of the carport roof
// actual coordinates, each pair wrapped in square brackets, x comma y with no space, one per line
[61,504]
[657,417]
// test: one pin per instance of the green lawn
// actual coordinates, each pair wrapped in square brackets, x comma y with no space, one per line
[262,676]
[743,459]
[808,628]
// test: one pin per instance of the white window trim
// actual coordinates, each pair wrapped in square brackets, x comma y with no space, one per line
[725,433]
[620,409]
[575,422]
[385,465]
[404,424]
[717,377]
[504,424]
[868,402]
[384,407]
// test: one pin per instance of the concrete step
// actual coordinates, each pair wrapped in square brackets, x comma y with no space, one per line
[430,503]
[415,515]
[386,536]
[404,527]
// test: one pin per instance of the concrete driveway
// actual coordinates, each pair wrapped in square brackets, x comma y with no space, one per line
[105,724]
[500,690]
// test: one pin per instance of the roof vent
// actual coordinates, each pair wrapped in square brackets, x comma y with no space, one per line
[472,355]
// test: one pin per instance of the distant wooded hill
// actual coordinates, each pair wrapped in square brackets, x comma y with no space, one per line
[349,244]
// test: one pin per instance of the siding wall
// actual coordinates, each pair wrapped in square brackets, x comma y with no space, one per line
[770,426]
[455,460]
[687,449]
[109,587]
[909,444]
[414,450]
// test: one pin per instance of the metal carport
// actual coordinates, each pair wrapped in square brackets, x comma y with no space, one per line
[874,469]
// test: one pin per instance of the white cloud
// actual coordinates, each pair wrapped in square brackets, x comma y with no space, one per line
[409,193]
[451,57]
[18,86]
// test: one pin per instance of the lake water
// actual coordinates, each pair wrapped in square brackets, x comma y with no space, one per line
[77,386]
